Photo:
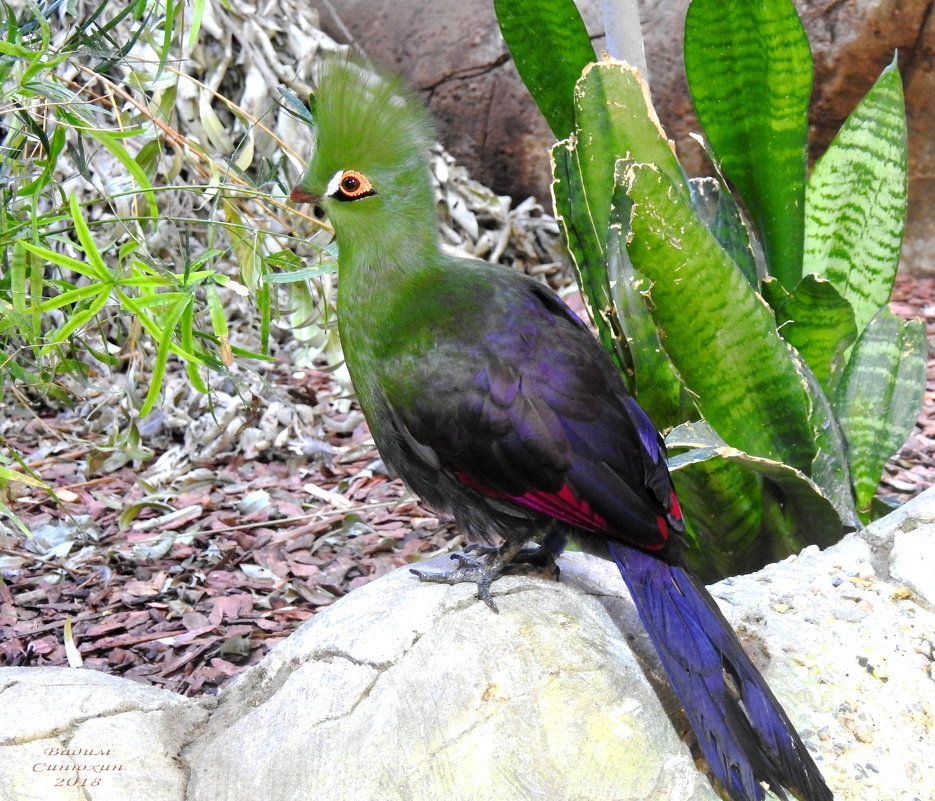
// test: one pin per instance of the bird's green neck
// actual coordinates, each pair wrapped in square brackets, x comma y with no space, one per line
[382,263]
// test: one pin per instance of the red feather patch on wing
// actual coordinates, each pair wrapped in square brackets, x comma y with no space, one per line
[562,505]
[565,506]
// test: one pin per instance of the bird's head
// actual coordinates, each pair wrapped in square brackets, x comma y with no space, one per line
[369,171]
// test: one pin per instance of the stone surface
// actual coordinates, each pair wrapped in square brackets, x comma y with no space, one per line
[404,690]
[70,735]
[420,691]
[452,50]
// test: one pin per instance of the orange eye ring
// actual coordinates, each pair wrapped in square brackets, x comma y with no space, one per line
[354,184]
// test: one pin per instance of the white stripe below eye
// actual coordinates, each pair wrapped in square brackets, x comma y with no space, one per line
[334,185]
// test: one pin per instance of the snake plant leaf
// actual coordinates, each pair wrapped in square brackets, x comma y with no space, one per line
[718,332]
[856,200]
[749,70]
[830,468]
[653,380]
[879,397]
[614,120]
[550,47]
[715,205]
[586,248]
[816,321]
[746,511]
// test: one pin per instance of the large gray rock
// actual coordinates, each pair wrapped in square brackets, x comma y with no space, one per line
[404,690]
[76,734]
[421,692]
[452,49]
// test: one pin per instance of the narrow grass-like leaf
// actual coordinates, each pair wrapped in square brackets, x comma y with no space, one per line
[720,335]
[78,319]
[856,200]
[19,266]
[7,474]
[219,323]
[162,354]
[160,299]
[749,70]
[88,245]
[62,260]
[72,296]
[198,11]
[880,395]
[120,153]
[817,322]
[550,47]
[149,325]
[187,340]
[300,275]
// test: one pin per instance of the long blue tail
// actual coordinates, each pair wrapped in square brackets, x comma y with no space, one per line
[743,732]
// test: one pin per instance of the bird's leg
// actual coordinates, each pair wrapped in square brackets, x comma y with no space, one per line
[511,557]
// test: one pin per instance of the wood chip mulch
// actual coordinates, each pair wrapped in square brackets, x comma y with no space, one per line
[185,589]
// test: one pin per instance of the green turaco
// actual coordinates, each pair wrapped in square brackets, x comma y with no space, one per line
[494,403]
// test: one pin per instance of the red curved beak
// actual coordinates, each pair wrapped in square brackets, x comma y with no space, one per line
[299,195]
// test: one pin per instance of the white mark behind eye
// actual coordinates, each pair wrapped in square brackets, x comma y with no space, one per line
[334,185]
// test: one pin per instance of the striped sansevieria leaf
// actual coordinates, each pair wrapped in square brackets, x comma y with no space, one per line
[532,28]
[749,71]
[718,332]
[856,200]
[817,322]
[879,397]
[654,380]
[613,120]
[755,509]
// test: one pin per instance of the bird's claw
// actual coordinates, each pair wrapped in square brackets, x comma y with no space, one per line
[492,563]
[470,571]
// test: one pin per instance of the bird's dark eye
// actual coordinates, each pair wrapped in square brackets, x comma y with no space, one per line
[352,185]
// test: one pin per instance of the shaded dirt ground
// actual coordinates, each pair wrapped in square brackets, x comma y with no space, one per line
[206,580]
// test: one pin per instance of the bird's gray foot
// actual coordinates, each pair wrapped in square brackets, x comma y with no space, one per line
[492,562]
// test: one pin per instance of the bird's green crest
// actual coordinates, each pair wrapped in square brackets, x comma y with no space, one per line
[364,121]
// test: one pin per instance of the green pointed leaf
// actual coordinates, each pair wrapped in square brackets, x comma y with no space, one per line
[716,208]
[879,397]
[614,121]
[830,469]
[856,200]
[162,353]
[715,205]
[816,321]
[718,332]
[587,251]
[654,382]
[550,47]
[749,70]
[745,511]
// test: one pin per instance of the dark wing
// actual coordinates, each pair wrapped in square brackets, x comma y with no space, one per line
[522,404]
